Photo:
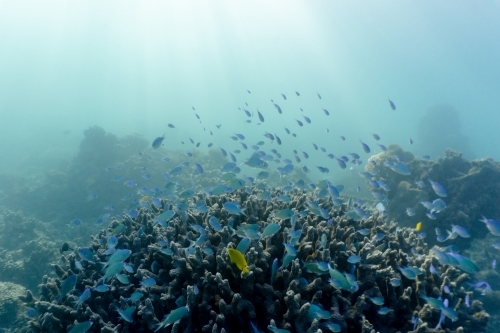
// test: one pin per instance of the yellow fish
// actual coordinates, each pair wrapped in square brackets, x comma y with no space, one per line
[238,259]
[144,198]
[419,226]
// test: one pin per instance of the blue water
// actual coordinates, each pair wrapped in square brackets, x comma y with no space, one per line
[132,67]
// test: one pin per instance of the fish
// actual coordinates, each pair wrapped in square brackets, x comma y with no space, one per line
[148,283]
[408,273]
[67,286]
[214,223]
[434,302]
[284,214]
[365,147]
[290,249]
[419,226]
[410,211]
[377,300]
[397,167]
[278,140]
[238,259]
[353,259]
[261,117]
[270,230]
[65,247]
[158,141]
[83,297]
[459,230]
[233,208]
[278,108]
[86,254]
[392,105]
[492,225]
[81,327]
[173,317]
[341,163]
[438,188]
[299,122]
[395,282]
[383,311]
[126,314]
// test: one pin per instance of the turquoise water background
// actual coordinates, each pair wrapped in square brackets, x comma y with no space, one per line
[132,66]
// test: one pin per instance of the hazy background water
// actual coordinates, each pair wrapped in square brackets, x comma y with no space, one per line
[131,66]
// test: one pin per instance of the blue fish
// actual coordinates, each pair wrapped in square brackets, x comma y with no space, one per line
[492,225]
[233,208]
[341,163]
[278,108]
[130,183]
[158,141]
[261,118]
[438,188]
[392,105]
[365,147]
[148,283]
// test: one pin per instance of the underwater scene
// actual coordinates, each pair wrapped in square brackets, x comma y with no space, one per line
[249,166]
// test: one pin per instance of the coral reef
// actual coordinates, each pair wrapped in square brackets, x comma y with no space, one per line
[222,298]
[473,188]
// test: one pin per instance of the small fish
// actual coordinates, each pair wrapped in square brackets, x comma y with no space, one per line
[392,105]
[237,258]
[383,311]
[377,300]
[65,247]
[419,226]
[365,147]
[83,297]
[410,211]
[81,327]
[148,283]
[438,188]
[363,232]
[261,117]
[233,208]
[395,282]
[31,313]
[101,288]
[158,141]
[130,183]
[86,254]
[67,286]
[270,230]
[214,223]
[278,108]
[173,317]
[492,225]
[354,259]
